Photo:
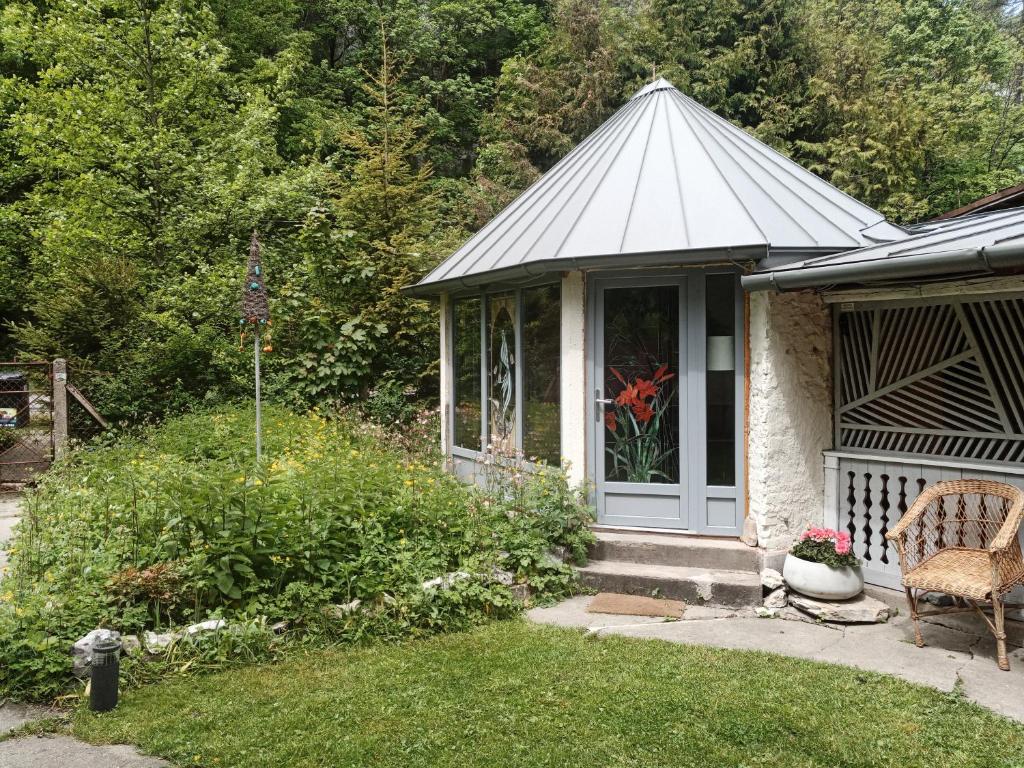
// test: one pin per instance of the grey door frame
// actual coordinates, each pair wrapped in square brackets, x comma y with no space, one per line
[697,498]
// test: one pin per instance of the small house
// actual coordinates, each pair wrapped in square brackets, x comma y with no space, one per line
[717,340]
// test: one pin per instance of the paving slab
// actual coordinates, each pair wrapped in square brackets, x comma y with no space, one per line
[14,715]
[957,653]
[66,752]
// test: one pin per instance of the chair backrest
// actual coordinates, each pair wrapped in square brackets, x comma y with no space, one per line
[962,513]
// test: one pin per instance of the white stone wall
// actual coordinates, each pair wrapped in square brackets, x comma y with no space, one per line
[790,412]
[574,375]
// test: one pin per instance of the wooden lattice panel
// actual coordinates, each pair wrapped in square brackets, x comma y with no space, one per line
[943,379]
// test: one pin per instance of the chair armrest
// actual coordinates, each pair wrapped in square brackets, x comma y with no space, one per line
[916,510]
[1008,532]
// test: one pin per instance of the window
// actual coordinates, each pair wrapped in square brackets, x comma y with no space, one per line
[541,381]
[466,364]
[501,373]
[721,379]
[514,403]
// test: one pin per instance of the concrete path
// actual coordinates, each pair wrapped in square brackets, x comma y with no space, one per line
[10,512]
[58,751]
[65,752]
[959,647]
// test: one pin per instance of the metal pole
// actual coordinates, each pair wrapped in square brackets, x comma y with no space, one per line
[259,415]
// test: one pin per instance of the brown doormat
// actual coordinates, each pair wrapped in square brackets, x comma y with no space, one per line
[634,605]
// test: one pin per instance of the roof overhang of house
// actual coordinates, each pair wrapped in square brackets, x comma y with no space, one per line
[740,255]
[983,244]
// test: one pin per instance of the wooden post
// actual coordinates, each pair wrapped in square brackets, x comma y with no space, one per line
[59,411]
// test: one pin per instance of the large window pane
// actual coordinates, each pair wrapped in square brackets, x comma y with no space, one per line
[721,379]
[541,383]
[641,376]
[466,327]
[501,373]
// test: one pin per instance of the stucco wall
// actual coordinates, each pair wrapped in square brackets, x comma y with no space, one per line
[790,412]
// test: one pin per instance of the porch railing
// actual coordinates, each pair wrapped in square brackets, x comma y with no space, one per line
[867,495]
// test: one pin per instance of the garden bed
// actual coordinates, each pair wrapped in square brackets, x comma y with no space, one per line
[338,535]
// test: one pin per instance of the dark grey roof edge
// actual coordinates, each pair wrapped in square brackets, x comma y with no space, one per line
[982,260]
[531,270]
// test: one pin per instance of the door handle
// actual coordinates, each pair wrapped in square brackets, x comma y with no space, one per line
[601,400]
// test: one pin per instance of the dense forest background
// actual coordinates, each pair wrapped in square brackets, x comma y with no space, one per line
[142,140]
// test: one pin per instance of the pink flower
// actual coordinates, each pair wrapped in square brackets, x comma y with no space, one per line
[842,547]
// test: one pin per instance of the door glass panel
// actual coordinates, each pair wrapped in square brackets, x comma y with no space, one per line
[501,373]
[641,375]
[721,379]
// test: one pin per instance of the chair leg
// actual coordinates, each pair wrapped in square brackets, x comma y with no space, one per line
[998,612]
[912,602]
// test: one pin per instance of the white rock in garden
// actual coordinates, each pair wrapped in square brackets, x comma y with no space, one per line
[858,610]
[446,581]
[130,645]
[210,625]
[776,599]
[82,649]
[521,592]
[342,610]
[771,579]
[279,627]
[502,576]
[765,613]
[559,553]
[158,642]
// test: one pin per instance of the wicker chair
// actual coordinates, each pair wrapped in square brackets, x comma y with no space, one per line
[960,537]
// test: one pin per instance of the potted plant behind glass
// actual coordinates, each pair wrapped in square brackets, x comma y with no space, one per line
[822,564]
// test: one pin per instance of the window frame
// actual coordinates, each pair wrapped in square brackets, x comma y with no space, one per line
[484,297]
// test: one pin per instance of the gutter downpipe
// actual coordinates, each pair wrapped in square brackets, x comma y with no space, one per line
[985,260]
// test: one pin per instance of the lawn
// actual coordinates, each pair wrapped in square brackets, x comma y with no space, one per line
[514,694]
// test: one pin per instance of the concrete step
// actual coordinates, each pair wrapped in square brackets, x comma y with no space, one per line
[698,586]
[685,551]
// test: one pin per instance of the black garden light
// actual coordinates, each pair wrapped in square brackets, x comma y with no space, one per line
[104,671]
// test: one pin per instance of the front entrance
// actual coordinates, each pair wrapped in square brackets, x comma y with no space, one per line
[667,375]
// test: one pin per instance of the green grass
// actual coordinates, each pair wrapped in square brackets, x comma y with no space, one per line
[512,694]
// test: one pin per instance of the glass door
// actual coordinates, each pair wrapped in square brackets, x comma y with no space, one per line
[640,402]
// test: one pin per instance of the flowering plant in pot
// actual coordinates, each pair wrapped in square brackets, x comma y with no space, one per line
[821,564]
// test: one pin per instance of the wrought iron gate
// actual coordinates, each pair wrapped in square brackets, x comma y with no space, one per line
[26,421]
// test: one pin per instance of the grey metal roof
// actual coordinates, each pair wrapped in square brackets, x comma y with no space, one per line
[663,176]
[978,244]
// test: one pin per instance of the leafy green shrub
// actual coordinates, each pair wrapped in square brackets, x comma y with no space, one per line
[388,403]
[181,524]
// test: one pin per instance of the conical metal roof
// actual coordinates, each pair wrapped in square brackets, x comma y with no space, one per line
[663,176]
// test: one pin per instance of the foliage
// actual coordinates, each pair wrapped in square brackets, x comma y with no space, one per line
[522,695]
[141,142]
[179,524]
[825,546]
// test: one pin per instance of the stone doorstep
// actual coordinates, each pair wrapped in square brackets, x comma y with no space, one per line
[862,609]
[675,550]
[695,586]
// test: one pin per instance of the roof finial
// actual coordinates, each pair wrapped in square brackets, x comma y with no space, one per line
[654,72]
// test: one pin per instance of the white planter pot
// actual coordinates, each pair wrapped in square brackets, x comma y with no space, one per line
[823,581]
